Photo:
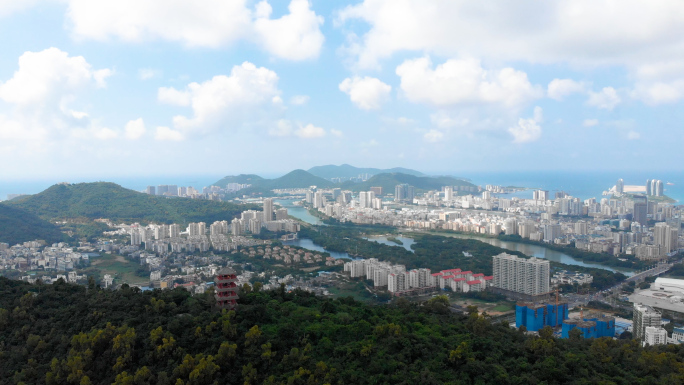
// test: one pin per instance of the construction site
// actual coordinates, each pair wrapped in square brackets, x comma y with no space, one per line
[555,313]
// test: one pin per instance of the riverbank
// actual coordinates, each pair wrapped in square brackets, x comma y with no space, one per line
[533,250]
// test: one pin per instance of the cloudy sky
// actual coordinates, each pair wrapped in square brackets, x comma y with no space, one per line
[130,87]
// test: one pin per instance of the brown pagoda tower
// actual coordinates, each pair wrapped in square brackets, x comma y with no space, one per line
[226,289]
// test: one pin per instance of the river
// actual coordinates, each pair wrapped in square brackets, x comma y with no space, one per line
[309,245]
[406,241]
[538,251]
[299,212]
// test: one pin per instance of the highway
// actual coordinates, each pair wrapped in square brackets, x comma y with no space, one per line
[575,300]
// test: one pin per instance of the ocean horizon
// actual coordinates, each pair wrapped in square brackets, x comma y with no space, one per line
[583,185]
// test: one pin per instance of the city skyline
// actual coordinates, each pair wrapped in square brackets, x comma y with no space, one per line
[136,91]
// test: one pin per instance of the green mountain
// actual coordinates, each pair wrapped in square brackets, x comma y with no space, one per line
[348,171]
[293,179]
[242,179]
[299,179]
[421,183]
[109,200]
[68,334]
[17,226]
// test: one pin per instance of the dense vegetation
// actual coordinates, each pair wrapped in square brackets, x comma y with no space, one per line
[109,200]
[67,334]
[17,226]
[435,252]
[422,183]
[304,179]
[293,179]
[631,261]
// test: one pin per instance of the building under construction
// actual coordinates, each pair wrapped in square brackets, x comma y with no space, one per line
[534,316]
[592,325]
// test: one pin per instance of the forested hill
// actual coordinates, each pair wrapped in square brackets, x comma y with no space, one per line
[67,334]
[293,179]
[241,179]
[17,226]
[304,179]
[109,200]
[389,181]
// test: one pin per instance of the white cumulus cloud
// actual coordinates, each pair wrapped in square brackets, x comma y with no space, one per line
[49,74]
[206,23]
[605,99]
[167,134]
[310,131]
[47,90]
[135,129]
[633,135]
[281,128]
[433,136]
[464,82]
[528,130]
[558,89]
[295,36]
[248,92]
[367,93]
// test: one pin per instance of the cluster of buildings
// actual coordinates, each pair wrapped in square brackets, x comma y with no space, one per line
[400,282]
[622,224]
[220,235]
[291,255]
[37,255]
[564,277]
[211,192]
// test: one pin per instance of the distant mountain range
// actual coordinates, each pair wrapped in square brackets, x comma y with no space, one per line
[386,179]
[348,171]
[389,181]
[109,200]
[293,179]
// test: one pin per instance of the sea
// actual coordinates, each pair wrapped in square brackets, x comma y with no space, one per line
[582,185]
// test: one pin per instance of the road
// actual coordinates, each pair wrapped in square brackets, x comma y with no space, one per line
[575,300]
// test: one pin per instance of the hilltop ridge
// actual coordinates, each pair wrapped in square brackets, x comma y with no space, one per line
[109,200]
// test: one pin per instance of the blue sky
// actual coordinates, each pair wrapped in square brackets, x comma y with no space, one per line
[217,87]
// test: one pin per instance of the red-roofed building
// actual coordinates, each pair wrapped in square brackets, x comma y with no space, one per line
[457,284]
[473,286]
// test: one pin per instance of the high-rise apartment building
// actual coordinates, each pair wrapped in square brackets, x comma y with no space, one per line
[521,275]
[540,195]
[151,190]
[666,237]
[510,226]
[366,199]
[640,213]
[620,186]
[404,192]
[281,214]
[551,232]
[644,316]
[448,193]
[174,231]
[377,190]
[268,209]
